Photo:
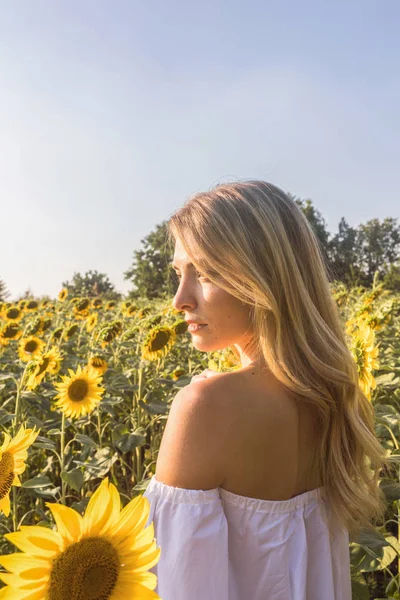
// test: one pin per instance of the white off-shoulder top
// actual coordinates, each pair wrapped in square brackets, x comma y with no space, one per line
[217,545]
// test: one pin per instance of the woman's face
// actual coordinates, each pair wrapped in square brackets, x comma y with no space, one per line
[227,319]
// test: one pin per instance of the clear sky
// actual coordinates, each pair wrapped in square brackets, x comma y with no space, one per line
[113,112]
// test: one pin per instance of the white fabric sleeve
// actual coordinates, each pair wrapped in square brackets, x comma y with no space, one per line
[191,529]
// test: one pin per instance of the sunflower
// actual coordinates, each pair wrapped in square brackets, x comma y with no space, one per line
[9,331]
[143,312]
[47,362]
[35,326]
[69,332]
[57,333]
[13,313]
[111,304]
[31,305]
[79,393]
[13,454]
[180,326]
[97,303]
[63,294]
[159,340]
[30,347]
[110,332]
[91,321]
[365,354]
[130,311]
[82,308]
[98,364]
[176,373]
[105,554]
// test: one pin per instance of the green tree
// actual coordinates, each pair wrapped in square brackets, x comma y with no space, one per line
[91,284]
[4,293]
[151,272]
[342,253]
[378,247]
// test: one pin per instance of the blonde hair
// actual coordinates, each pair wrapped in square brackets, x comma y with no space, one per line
[254,229]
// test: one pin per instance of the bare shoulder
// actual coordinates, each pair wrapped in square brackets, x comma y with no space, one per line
[191,453]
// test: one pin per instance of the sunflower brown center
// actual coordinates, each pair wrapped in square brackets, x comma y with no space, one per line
[86,570]
[160,340]
[78,390]
[6,474]
[43,365]
[31,346]
[13,313]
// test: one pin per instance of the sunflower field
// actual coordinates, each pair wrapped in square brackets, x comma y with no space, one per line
[85,390]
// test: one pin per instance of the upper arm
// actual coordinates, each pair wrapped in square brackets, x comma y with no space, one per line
[191,453]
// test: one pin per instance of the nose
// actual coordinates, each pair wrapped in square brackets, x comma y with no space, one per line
[184,298]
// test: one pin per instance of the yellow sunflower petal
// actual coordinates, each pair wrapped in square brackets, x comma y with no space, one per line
[98,511]
[69,522]
[37,541]
[5,504]
[18,562]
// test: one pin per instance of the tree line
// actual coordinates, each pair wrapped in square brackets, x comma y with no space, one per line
[354,256]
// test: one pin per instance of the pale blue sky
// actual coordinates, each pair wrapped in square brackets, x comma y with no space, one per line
[113,112]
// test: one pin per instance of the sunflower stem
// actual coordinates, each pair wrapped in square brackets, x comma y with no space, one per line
[99,426]
[18,400]
[62,457]
[15,508]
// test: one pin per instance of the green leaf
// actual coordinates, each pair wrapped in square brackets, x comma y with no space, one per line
[42,442]
[359,587]
[128,441]
[37,482]
[386,380]
[391,489]
[5,417]
[371,538]
[155,407]
[100,464]
[85,440]
[73,478]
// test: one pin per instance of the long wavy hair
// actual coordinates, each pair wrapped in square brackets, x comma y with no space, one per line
[256,243]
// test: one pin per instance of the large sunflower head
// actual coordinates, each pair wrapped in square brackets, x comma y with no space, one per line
[30,347]
[9,331]
[48,362]
[104,555]
[158,342]
[79,393]
[13,454]
[365,354]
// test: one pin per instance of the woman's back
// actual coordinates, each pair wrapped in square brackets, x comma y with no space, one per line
[271,446]
[248,538]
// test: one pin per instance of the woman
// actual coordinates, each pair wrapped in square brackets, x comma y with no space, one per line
[263,473]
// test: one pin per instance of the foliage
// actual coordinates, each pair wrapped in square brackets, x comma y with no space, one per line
[150,272]
[91,284]
[144,356]
[353,255]
[4,293]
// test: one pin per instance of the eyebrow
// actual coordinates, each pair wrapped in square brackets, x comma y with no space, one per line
[174,266]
